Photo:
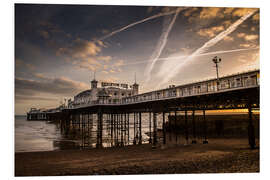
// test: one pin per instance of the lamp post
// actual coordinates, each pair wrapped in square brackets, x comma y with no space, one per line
[217,60]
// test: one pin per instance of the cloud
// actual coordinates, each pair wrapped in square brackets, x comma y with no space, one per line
[118,63]
[41,76]
[19,63]
[228,38]
[248,37]
[190,11]
[89,63]
[84,48]
[250,59]
[105,31]
[50,27]
[242,59]
[248,45]
[167,9]
[150,9]
[228,10]
[61,86]
[227,23]
[110,79]
[23,99]
[256,17]
[242,11]
[210,12]
[210,32]
[251,37]
[105,72]
[105,58]
[84,54]
[241,35]
[93,63]
[80,48]
[44,34]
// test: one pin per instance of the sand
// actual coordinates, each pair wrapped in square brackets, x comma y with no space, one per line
[219,156]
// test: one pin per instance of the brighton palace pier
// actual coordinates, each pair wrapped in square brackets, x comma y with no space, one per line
[115,110]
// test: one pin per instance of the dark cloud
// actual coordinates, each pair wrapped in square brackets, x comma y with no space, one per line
[55,86]
[23,99]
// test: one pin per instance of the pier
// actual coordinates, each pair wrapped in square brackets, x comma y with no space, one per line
[191,101]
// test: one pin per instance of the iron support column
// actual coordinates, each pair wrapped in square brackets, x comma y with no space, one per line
[150,134]
[186,126]
[251,129]
[175,126]
[163,128]
[205,128]
[134,129]
[140,121]
[155,129]
[194,128]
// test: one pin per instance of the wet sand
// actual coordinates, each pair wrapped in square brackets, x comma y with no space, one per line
[219,156]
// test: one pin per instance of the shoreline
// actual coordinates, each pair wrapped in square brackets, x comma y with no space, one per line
[219,156]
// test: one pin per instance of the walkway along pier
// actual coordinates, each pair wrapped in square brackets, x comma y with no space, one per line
[238,91]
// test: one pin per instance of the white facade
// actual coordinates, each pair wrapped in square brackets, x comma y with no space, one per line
[108,95]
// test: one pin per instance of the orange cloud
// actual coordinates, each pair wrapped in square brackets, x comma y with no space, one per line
[248,37]
[228,38]
[210,12]
[240,35]
[248,45]
[227,23]
[210,32]
[256,17]
[242,11]
[251,37]
[228,10]
[190,11]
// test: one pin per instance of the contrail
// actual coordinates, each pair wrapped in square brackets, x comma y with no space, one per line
[168,72]
[135,23]
[198,55]
[160,46]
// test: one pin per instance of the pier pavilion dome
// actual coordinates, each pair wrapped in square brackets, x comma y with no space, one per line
[105,94]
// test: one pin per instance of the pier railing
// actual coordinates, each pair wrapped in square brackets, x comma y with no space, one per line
[227,83]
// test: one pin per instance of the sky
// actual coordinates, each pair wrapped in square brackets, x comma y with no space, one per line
[59,47]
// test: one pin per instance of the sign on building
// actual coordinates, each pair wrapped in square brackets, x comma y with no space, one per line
[106,84]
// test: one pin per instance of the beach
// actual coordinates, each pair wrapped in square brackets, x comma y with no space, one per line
[219,156]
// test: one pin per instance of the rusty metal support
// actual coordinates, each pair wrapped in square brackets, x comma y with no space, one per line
[99,129]
[140,130]
[128,128]
[205,129]
[134,129]
[193,128]
[251,129]
[150,134]
[154,129]
[163,128]
[121,129]
[186,126]
[175,126]
[170,126]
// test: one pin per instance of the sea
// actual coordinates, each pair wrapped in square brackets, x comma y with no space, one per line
[33,136]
